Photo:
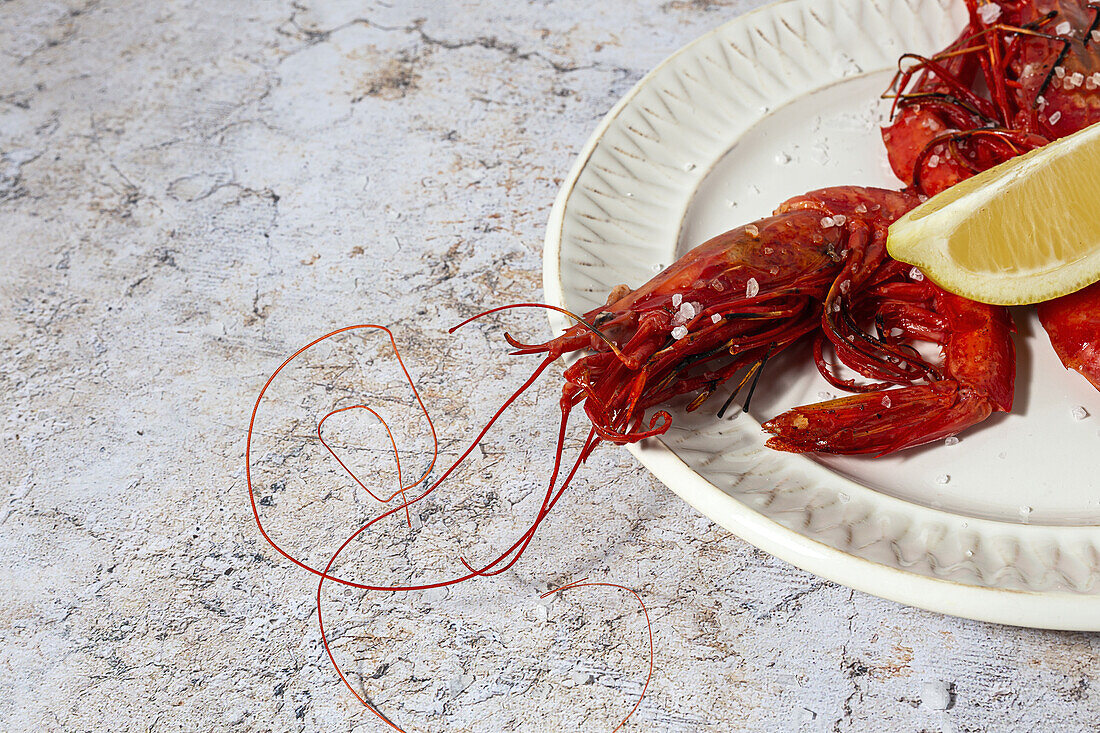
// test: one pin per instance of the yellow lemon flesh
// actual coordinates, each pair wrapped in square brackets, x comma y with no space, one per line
[1025,231]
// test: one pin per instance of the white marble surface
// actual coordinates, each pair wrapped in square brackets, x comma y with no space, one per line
[191,190]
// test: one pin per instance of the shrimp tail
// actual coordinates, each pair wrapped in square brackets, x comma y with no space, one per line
[879,422]
[1073,324]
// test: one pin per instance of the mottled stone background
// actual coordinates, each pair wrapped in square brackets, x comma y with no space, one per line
[191,190]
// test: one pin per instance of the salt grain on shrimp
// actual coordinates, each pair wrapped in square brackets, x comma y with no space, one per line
[752,288]
[989,12]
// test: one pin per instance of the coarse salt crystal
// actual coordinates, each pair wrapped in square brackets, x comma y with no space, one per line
[826,222]
[933,161]
[861,209]
[679,332]
[687,311]
[935,695]
[943,479]
[1079,413]
[752,230]
[951,440]
[989,12]
[1096,36]
[716,318]
[1077,78]
[1059,71]
[845,286]
[1055,117]
[826,396]
[752,288]
[886,400]
[839,220]
[1063,28]
[1041,101]
[581,678]
[916,275]
[677,299]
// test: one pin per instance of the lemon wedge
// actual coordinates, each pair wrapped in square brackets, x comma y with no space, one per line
[1025,231]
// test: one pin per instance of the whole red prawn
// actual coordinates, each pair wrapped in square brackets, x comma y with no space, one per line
[1020,74]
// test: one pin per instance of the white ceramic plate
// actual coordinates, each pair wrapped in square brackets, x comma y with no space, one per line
[769,105]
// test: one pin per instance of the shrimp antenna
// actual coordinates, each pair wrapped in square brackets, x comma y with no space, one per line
[517,344]
[755,379]
[753,373]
